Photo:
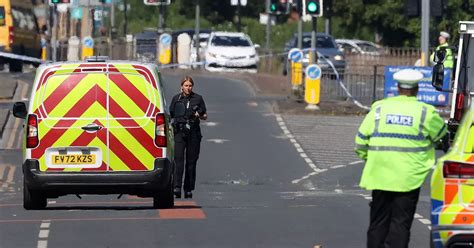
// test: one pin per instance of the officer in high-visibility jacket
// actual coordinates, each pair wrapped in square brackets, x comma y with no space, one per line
[443,42]
[396,139]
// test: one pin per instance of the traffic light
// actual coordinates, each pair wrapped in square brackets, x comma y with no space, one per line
[283,7]
[53,2]
[314,8]
[273,6]
[156,2]
[278,7]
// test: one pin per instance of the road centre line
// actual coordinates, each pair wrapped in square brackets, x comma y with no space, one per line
[44,234]
[42,244]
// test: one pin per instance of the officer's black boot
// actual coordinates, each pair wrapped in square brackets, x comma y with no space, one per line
[177,192]
[188,194]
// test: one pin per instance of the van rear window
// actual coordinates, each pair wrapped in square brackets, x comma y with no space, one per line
[2,16]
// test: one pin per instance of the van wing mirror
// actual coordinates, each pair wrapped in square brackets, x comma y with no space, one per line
[438,77]
[19,110]
[179,109]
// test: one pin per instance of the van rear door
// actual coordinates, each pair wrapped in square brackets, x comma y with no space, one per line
[134,102]
[71,106]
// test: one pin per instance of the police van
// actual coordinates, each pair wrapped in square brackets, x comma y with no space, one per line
[97,127]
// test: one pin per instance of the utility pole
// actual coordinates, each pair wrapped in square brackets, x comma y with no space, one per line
[54,33]
[269,26]
[125,28]
[161,19]
[238,16]
[300,32]
[425,31]
[314,56]
[196,31]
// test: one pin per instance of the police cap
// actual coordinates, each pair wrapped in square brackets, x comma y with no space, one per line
[444,34]
[408,78]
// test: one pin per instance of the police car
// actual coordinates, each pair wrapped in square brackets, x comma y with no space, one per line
[97,127]
[452,182]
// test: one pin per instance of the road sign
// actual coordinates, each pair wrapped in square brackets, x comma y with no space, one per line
[87,47]
[295,55]
[296,73]
[165,39]
[313,72]
[88,42]
[312,84]
[164,49]
[76,13]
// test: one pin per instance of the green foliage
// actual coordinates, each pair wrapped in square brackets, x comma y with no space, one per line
[361,19]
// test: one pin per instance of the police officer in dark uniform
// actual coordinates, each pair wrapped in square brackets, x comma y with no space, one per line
[186,109]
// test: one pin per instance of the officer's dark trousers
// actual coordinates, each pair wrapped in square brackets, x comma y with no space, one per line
[391,216]
[186,149]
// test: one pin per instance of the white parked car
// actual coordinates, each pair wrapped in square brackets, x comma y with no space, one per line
[234,51]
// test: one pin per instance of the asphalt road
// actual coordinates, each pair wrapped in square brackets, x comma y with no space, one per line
[263,180]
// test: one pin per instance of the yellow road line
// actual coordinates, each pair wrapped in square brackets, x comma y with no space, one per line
[11,138]
[2,171]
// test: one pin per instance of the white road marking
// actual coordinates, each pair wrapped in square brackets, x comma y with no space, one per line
[425,221]
[209,123]
[45,225]
[217,141]
[338,166]
[417,216]
[43,234]
[356,162]
[42,244]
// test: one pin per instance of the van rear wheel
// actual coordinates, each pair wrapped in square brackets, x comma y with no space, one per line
[33,200]
[164,199]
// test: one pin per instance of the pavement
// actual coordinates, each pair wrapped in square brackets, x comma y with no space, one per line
[8,87]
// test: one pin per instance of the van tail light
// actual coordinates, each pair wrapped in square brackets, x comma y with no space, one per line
[453,169]
[11,35]
[32,132]
[160,130]
[458,111]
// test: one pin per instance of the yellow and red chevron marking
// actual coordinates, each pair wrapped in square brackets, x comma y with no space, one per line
[130,144]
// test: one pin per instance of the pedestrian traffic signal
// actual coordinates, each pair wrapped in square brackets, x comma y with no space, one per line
[156,2]
[53,2]
[314,8]
[273,6]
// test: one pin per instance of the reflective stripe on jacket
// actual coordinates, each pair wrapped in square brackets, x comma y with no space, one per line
[396,139]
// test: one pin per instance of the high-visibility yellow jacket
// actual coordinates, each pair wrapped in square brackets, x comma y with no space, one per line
[449,61]
[397,140]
